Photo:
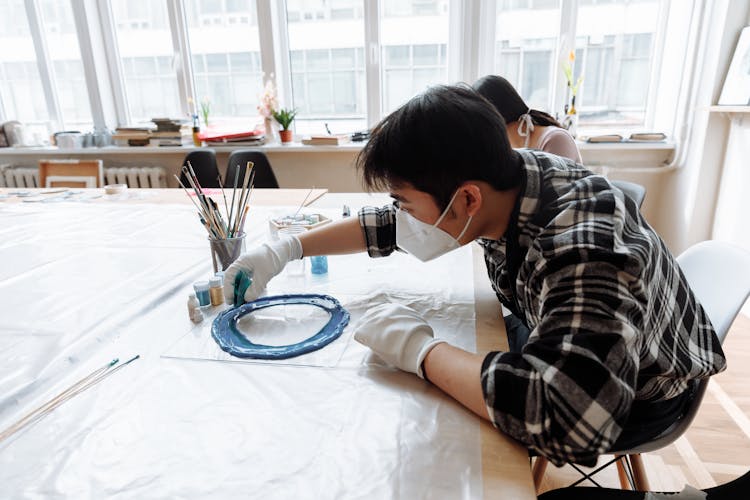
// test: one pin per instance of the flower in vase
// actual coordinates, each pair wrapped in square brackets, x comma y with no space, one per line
[205,109]
[572,86]
[268,100]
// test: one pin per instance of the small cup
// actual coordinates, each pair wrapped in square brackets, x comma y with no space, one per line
[226,251]
[295,267]
[319,264]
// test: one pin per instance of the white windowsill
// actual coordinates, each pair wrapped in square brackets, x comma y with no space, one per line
[623,154]
[295,147]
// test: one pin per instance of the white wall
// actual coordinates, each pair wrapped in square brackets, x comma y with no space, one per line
[690,194]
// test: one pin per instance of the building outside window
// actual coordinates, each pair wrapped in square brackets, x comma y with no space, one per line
[20,84]
[412,59]
[614,42]
[225,53]
[326,58]
[65,53]
[614,52]
[146,56]
[526,48]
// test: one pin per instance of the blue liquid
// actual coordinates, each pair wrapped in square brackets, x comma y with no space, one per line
[203,298]
[319,264]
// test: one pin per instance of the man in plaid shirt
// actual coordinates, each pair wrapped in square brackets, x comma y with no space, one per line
[616,338]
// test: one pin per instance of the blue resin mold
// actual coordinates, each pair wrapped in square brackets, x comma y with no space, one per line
[225,332]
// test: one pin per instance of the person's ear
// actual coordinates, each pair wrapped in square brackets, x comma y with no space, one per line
[471,199]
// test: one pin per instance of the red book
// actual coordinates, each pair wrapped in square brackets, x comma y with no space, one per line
[221,134]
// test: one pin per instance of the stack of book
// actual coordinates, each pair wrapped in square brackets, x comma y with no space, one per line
[636,137]
[132,136]
[326,140]
[170,132]
[232,137]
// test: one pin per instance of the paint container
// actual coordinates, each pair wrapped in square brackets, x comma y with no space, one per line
[201,292]
[216,290]
[192,303]
[319,264]
[197,316]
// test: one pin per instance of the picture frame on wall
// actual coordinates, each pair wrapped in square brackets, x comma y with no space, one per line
[736,90]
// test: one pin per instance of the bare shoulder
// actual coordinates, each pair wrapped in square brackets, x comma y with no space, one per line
[558,141]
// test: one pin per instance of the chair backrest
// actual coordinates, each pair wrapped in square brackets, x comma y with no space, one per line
[264,176]
[719,275]
[71,173]
[206,169]
[634,191]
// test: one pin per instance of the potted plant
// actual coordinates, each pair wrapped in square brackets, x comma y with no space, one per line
[285,117]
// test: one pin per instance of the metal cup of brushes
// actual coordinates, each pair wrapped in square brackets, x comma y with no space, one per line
[225,251]
[226,233]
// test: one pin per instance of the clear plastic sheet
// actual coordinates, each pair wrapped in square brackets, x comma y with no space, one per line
[83,283]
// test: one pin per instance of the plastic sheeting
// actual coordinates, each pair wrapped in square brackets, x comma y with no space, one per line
[83,283]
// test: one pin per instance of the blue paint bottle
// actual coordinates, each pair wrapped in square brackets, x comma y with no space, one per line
[319,264]
[201,292]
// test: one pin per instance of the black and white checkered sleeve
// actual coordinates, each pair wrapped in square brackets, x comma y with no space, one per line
[569,393]
[379,227]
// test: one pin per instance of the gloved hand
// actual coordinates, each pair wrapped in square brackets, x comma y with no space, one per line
[262,263]
[398,334]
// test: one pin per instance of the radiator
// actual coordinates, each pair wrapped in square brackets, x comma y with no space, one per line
[19,177]
[137,177]
[134,177]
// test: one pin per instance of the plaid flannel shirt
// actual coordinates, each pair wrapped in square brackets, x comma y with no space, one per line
[611,315]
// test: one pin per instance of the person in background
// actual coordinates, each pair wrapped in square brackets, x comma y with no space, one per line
[618,338]
[527,128]
[531,129]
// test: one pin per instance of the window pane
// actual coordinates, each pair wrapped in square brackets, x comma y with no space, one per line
[226,59]
[614,50]
[20,85]
[405,49]
[326,44]
[526,44]
[145,46]
[64,51]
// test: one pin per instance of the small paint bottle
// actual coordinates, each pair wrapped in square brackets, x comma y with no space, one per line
[192,303]
[319,264]
[196,316]
[216,290]
[201,292]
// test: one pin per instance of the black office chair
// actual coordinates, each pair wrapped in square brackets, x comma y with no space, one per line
[634,191]
[206,169]
[264,177]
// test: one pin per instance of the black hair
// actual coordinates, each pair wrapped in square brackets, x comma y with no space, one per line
[437,141]
[508,103]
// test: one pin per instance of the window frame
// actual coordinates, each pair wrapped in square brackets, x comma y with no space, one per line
[470,54]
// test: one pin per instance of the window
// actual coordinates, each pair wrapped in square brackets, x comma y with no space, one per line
[412,59]
[225,52]
[65,55]
[145,47]
[614,51]
[526,47]
[326,58]
[20,84]
[410,45]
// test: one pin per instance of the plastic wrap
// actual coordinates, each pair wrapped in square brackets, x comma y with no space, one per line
[81,284]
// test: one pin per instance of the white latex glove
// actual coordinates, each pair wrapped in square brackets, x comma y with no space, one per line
[398,334]
[265,262]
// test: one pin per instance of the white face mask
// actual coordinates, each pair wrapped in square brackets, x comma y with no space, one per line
[425,241]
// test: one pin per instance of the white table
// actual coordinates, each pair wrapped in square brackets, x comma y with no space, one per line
[84,282]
